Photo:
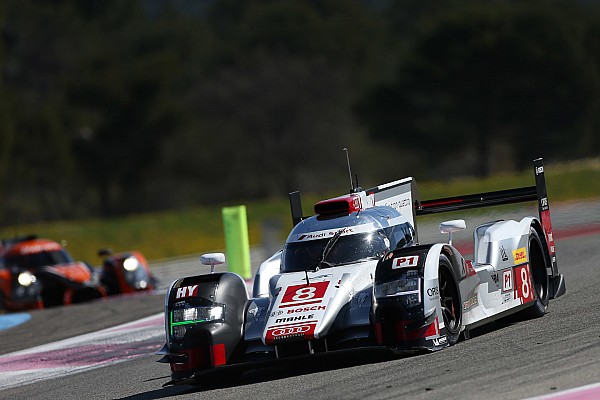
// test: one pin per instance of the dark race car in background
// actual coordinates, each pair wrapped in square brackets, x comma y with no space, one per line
[37,273]
[355,276]
[19,288]
[126,272]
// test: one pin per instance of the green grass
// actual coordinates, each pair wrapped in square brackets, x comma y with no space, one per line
[197,230]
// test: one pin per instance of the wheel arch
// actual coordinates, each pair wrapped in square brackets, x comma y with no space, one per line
[431,273]
[454,256]
[537,226]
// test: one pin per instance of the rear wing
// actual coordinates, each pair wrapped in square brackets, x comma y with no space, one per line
[536,193]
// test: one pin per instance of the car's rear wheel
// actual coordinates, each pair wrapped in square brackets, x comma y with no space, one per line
[539,276]
[449,300]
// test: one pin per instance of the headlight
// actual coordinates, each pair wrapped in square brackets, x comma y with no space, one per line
[180,318]
[26,278]
[131,264]
[408,286]
[198,314]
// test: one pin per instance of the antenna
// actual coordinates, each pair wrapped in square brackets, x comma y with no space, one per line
[349,170]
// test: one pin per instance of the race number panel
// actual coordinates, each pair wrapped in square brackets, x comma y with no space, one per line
[304,294]
[523,287]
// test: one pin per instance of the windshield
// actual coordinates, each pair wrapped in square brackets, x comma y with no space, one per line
[38,260]
[300,256]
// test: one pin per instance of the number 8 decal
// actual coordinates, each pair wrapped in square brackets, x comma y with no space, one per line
[304,293]
[524,283]
[523,290]
[312,292]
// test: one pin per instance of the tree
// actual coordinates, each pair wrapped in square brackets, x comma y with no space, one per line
[123,95]
[482,78]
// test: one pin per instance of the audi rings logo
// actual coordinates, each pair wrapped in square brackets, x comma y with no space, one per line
[290,330]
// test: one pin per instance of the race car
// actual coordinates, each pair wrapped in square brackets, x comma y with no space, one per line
[126,272]
[19,288]
[38,273]
[355,275]
[61,279]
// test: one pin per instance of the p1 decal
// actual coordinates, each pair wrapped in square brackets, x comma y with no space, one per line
[297,295]
[186,291]
[404,262]
[520,255]
[468,269]
[507,281]
[523,286]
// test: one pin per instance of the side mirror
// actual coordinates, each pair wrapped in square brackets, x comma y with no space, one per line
[212,259]
[452,226]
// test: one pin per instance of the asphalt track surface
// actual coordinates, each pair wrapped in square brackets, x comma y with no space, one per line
[513,360]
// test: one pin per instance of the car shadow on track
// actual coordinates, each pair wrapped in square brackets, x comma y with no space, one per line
[279,370]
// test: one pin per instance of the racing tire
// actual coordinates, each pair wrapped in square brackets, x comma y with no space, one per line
[539,276]
[449,300]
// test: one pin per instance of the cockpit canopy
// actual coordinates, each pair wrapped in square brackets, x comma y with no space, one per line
[360,236]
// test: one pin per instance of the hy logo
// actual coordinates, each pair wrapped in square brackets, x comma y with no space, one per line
[186,291]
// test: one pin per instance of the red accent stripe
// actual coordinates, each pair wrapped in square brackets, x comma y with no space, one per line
[218,354]
[378,333]
[285,305]
[433,203]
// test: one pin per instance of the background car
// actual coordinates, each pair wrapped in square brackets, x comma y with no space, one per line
[19,288]
[126,272]
[62,280]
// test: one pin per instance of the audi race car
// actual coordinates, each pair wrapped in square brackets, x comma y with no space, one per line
[355,275]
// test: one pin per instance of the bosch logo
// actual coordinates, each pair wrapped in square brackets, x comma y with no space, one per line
[431,292]
[303,309]
[291,330]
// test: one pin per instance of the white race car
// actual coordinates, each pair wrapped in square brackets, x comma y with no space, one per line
[355,275]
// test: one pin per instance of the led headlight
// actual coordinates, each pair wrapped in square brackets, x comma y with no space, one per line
[131,264]
[198,314]
[408,286]
[26,278]
[183,317]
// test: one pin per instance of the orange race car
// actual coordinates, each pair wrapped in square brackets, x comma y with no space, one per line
[19,288]
[36,273]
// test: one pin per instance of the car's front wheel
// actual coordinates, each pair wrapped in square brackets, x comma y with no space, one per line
[450,300]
